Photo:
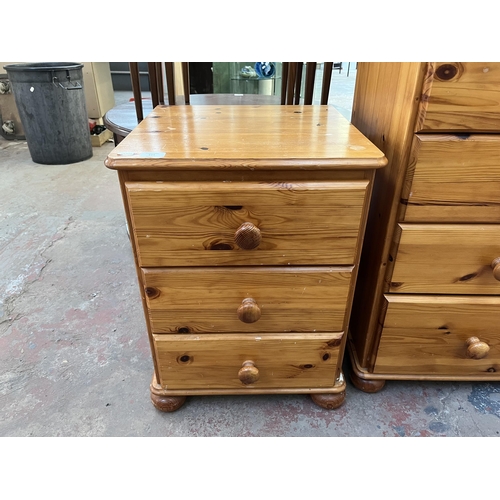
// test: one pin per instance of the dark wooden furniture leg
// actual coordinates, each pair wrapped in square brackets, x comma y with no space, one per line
[136,90]
[169,71]
[159,78]
[185,81]
[298,82]
[290,86]
[284,81]
[309,86]
[153,83]
[327,77]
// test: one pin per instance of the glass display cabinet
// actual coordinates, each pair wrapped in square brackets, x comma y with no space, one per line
[255,78]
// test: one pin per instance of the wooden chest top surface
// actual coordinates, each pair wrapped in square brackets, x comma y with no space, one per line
[245,137]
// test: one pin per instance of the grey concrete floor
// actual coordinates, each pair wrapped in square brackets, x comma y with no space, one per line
[74,356]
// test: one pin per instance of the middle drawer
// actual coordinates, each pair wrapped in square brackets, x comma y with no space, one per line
[241,299]
[447,258]
[246,223]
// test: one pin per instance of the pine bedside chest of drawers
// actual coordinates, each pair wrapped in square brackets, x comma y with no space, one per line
[428,304]
[246,224]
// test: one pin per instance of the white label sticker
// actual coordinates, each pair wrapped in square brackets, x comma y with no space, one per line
[142,155]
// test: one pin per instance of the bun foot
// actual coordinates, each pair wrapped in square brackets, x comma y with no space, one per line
[167,403]
[366,385]
[329,401]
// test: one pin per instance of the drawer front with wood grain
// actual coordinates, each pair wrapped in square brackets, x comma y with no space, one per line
[273,361]
[246,299]
[440,335]
[453,178]
[461,97]
[447,258]
[246,223]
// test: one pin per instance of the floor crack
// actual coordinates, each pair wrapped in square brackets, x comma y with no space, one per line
[8,304]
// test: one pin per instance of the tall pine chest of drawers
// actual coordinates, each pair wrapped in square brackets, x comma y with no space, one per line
[246,224]
[427,305]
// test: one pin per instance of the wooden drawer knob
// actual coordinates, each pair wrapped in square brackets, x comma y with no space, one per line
[249,373]
[249,311]
[247,236]
[495,265]
[476,349]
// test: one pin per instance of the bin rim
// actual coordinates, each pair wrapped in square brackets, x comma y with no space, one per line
[43,66]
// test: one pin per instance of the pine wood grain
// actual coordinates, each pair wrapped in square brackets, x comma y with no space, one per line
[245,137]
[243,175]
[453,178]
[386,102]
[213,361]
[444,185]
[303,177]
[206,300]
[428,335]
[195,223]
[446,258]
[461,97]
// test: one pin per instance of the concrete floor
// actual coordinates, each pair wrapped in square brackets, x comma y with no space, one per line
[73,349]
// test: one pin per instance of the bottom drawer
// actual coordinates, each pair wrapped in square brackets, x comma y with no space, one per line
[213,361]
[428,335]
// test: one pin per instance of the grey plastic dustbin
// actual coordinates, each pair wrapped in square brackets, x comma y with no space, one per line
[51,104]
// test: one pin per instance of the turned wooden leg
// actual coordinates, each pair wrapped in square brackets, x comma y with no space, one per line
[329,401]
[167,403]
[366,385]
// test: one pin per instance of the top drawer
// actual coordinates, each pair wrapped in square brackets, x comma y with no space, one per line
[459,97]
[246,223]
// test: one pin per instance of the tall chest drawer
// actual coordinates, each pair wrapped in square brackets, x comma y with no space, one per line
[440,335]
[453,178]
[460,97]
[447,258]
